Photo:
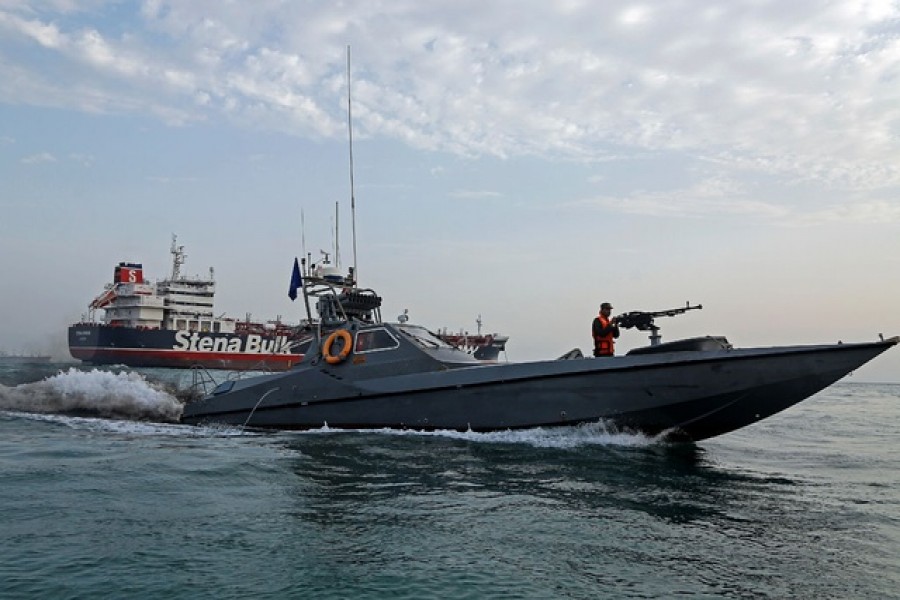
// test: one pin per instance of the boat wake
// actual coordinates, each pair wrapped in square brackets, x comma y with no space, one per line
[588,434]
[123,395]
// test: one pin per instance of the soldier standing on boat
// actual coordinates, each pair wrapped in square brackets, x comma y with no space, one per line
[604,330]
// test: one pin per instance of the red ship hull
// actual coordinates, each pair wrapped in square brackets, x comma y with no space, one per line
[155,348]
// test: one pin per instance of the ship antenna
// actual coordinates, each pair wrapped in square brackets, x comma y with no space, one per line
[352,195]
[302,236]
[337,236]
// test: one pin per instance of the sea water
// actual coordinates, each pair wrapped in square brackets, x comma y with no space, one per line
[104,495]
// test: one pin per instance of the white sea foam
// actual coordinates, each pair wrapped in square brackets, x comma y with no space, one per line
[135,428]
[588,434]
[123,395]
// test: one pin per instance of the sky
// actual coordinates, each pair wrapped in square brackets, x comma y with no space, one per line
[520,160]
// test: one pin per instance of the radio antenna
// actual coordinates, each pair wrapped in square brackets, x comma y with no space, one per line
[352,195]
[302,236]
[337,235]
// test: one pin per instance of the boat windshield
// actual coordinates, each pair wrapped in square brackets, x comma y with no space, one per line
[372,340]
[422,336]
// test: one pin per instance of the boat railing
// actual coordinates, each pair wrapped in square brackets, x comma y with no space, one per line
[340,302]
[202,383]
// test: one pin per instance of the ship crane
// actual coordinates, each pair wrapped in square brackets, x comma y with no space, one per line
[104,299]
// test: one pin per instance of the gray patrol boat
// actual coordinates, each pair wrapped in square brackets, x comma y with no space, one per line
[363,373]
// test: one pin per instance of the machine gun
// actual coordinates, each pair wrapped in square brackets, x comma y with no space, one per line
[643,320]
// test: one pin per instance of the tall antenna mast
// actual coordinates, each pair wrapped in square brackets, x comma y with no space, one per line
[337,236]
[302,235]
[352,195]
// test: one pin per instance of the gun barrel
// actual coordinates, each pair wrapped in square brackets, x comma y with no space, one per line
[671,312]
[643,320]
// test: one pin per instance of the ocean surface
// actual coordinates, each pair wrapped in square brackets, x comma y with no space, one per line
[104,495]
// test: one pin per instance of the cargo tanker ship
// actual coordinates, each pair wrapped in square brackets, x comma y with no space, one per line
[171,323]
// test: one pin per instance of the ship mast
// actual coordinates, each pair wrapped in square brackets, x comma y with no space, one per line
[178,257]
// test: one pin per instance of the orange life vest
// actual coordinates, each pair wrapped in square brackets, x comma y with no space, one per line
[604,344]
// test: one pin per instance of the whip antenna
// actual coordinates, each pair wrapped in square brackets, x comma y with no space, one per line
[352,195]
[302,236]
[337,236]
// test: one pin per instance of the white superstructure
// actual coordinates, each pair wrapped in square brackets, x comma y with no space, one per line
[177,303]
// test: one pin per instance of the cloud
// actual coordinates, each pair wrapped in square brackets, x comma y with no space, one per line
[708,198]
[85,160]
[475,194]
[41,158]
[805,91]
[871,213]
[47,35]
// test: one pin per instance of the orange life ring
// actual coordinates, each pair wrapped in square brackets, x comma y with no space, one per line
[345,351]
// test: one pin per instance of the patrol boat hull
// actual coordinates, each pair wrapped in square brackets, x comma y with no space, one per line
[687,394]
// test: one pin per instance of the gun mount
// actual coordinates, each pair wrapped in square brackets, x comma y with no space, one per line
[644,320]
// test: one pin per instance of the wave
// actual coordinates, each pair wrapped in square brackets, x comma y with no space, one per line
[123,395]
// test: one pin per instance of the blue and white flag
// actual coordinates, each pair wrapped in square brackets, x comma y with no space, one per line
[296,281]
